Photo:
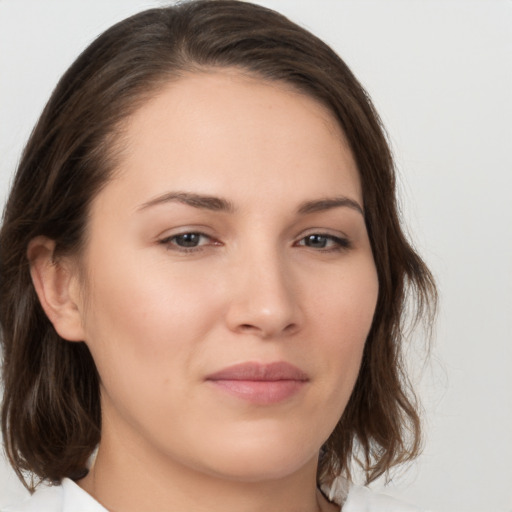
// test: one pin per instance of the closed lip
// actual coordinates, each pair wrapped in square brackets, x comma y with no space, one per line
[260,384]
[252,371]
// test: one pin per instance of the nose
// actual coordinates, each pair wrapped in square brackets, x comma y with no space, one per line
[263,296]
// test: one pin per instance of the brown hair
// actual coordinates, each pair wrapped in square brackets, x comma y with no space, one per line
[51,418]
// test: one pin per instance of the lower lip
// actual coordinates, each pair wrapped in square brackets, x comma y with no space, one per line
[261,392]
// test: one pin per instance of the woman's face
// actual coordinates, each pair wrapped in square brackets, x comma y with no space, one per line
[230,283]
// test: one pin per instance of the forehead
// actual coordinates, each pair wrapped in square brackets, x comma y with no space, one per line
[213,131]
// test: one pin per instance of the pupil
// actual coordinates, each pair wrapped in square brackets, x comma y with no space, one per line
[188,240]
[317,241]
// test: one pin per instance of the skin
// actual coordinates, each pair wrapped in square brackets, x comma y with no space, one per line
[159,317]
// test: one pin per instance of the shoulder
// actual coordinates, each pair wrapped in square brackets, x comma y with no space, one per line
[356,498]
[67,497]
[47,499]
[362,499]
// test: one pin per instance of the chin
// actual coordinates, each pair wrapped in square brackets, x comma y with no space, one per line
[257,462]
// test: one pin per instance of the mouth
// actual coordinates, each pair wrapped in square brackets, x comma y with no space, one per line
[262,384]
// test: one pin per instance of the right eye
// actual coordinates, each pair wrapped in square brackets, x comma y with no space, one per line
[187,241]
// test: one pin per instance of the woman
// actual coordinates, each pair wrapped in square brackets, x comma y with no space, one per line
[204,276]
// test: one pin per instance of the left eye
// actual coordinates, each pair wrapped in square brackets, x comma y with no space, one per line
[319,241]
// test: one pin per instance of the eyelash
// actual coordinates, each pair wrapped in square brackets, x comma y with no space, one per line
[169,242]
[339,244]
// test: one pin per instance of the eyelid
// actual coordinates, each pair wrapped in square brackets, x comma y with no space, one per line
[184,229]
[336,241]
[342,242]
[167,240]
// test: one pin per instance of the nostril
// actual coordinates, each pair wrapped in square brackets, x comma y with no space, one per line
[250,328]
[290,328]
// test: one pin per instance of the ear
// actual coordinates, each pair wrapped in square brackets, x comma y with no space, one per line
[56,283]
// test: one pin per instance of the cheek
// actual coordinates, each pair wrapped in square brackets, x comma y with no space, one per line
[144,333]
[346,302]
[344,315]
[144,318]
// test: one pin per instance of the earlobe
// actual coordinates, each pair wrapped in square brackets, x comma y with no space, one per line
[54,280]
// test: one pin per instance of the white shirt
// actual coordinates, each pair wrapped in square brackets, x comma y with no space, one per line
[69,497]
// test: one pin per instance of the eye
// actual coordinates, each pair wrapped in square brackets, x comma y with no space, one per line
[187,241]
[324,242]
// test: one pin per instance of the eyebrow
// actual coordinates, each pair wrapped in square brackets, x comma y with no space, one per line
[329,203]
[219,204]
[195,200]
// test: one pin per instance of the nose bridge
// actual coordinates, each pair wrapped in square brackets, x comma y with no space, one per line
[264,299]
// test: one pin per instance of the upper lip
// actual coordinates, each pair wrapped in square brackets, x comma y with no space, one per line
[252,371]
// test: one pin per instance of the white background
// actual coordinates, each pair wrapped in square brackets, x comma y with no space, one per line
[440,74]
